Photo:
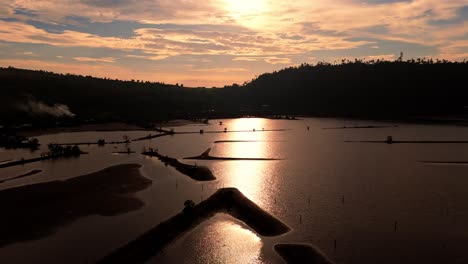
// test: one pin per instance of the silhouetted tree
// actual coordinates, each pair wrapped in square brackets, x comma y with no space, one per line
[188,207]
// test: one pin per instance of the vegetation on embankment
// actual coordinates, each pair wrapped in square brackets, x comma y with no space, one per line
[198,173]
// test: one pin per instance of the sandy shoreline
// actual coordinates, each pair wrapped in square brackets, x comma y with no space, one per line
[38,210]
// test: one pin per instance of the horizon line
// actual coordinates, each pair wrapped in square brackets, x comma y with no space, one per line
[423,60]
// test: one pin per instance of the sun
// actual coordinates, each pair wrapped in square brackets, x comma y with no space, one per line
[243,8]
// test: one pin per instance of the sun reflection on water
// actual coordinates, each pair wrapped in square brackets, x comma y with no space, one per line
[253,178]
[221,239]
[230,243]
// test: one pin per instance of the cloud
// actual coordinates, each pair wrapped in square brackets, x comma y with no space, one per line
[86,59]
[277,60]
[246,59]
[388,57]
[270,60]
[26,53]
[220,70]
[109,10]
[107,3]
[383,1]
[148,57]
[260,35]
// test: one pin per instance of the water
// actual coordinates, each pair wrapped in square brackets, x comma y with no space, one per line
[349,192]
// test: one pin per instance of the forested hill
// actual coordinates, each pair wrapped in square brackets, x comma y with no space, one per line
[39,95]
[375,89]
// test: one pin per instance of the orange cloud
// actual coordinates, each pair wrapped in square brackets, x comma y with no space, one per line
[86,59]
[270,31]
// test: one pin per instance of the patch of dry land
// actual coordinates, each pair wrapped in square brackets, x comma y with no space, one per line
[198,173]
[35,211]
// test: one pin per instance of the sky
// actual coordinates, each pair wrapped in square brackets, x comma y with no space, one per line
[212,43]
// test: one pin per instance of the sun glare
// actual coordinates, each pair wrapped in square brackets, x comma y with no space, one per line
[245,8]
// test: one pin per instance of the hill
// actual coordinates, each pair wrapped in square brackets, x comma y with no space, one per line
[373,89]
[378,89]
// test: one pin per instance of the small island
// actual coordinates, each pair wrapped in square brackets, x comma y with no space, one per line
[198,173]
[206,156]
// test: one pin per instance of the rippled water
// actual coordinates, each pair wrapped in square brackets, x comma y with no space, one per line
[221,238]
[351,193]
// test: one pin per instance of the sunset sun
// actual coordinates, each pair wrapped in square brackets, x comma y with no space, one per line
[240,8]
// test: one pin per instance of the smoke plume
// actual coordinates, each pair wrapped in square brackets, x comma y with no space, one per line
[39,108]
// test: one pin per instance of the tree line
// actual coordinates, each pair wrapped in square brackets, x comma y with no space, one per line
[357,88]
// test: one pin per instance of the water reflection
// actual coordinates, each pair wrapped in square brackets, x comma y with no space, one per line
[221,239]
[381,183]
[252,178]
[246,123]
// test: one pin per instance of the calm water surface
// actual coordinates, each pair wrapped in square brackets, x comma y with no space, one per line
[349,192]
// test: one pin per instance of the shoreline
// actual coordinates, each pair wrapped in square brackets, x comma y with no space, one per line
[44,158]
[358,127]
[228,200]
[120,126]
[102,127]
[30,173]
[5,161]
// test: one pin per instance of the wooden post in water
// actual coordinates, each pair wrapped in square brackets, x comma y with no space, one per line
[308,200]
[395,227]
[342,199]
[300,219]
[334,244]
